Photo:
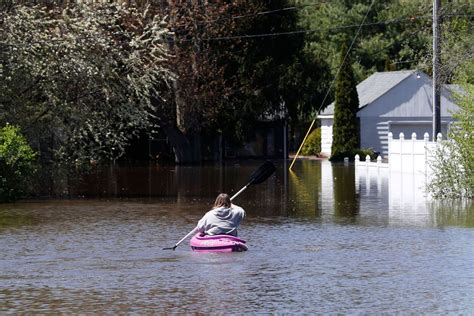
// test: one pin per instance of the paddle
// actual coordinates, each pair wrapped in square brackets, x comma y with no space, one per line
[258,176]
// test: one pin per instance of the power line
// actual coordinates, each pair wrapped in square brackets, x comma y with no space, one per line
[345,56]
[278,10]
[341,27]
[334,80]
[315,30]
[260,13]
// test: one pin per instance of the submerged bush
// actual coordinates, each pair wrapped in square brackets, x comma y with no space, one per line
[16,163]
[453,163]
[363,152]
[312,146]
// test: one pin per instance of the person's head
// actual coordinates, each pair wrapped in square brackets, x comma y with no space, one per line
[222,199]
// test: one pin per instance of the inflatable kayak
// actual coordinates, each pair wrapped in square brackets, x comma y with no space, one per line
[217,243]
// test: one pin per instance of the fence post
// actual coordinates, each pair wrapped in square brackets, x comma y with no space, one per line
[439,137]
[357,159]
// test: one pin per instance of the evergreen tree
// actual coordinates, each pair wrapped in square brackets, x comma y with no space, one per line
[346,126]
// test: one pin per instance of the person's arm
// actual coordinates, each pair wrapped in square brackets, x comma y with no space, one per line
[201,226]
[239,210]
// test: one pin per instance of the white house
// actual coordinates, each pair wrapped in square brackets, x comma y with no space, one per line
[397,101]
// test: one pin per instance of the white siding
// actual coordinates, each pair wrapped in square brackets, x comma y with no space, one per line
[326,136]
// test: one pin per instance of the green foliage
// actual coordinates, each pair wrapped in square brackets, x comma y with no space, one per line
[457,62]
[16,163]
[453,165]
[79,79]
[346,127]
[227,81]
[312,145]
[402,43]
[363,152]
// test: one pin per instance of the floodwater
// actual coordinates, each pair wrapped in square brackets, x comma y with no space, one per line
[323,239]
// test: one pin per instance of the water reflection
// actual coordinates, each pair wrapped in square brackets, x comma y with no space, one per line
[346,199]
[452,213]
[315,190]
[303,191]
[404,197]
[9,218]
[102,253]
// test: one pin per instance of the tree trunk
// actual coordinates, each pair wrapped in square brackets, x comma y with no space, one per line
[187,148]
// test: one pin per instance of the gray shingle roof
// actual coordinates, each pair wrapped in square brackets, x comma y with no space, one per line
[374,87]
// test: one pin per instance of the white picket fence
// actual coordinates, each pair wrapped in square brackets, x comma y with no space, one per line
[404,155]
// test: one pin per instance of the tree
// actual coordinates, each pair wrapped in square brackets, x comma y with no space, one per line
[453,163]
[346,127]
[394,36]
[229,75]
[456,43]
[16,163]
[205,64]
[79,79]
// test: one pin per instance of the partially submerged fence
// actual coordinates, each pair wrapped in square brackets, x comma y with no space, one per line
[406,172]
[404,155]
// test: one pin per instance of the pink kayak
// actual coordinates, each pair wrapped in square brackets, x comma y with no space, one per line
[217,243]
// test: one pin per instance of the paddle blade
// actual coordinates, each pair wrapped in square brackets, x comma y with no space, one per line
[170,248]
[262,173]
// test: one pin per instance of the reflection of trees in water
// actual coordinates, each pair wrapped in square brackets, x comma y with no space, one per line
[346,199]
[12,219]
[452,213]
[183,183]
[305,189]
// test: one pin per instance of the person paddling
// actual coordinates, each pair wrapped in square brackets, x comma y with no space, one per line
[222,219]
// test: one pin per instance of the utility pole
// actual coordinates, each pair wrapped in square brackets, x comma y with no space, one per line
[436,71]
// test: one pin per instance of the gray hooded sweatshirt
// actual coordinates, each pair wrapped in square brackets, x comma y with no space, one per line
[221,220]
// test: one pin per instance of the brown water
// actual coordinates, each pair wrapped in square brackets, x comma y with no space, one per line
[324,239]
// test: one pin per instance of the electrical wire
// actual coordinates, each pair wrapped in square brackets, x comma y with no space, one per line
[260,13]
[332,83]
[341,27]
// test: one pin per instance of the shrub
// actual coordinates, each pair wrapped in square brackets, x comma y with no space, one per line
[16,163]
[453,160]
[312,146]
[363,152]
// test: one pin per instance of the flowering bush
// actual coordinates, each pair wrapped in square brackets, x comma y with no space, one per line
[453,164]
[81,78]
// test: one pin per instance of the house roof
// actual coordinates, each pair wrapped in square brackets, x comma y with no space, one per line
[374,87]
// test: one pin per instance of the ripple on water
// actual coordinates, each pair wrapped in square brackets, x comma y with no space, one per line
[306,254]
